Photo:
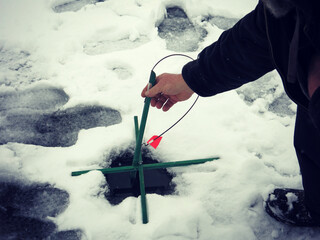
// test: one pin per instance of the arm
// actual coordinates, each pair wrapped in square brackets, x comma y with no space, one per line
[239,56]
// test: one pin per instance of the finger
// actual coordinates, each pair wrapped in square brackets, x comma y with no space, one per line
[146,93]
[143,93]
[161,101]
[154,100]
[168,105]
[153,91]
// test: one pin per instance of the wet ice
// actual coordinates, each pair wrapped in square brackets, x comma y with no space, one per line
[71,5]
[25,208]
[40,97]
[180,33]
[33,117]
[222,22]
[269,90]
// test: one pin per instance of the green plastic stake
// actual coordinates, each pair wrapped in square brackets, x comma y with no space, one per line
[136,126]
[143,196]
[137,152]
[148,166]
[133,175]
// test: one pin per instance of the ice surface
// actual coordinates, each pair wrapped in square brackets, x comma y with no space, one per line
[71,5]
[269,92]
[32,116]
[24,211]
[178,31]
[59,128]
[222,22]
[41,97]
[35,201]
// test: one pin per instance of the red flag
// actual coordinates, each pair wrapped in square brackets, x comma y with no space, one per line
[155,141]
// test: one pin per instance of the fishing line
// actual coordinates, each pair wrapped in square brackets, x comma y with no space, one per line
[159,136]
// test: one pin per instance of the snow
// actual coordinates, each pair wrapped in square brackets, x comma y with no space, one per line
[101,53]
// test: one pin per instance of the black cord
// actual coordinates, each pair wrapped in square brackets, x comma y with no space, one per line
[171,55]
[174,55]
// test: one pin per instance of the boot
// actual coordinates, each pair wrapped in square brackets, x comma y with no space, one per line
[288,206]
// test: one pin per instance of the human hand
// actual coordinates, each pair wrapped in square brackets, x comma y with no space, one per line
[169,89]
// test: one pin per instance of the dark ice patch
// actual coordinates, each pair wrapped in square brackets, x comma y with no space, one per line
[178,31]
[58,129]
[67,235]
[32,116]
[19,227]
[223,23]
[281,106]
[157,181]
[277,101]
[73,5]
[42,97]
[100,45]
[34,201]
[24,211]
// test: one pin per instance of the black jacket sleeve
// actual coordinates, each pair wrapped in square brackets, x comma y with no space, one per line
[314,108]
[240,55]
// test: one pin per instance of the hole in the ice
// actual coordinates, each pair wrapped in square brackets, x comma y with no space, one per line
[157,181]
[24,211]
[31,117]
[178,31]
[72,5]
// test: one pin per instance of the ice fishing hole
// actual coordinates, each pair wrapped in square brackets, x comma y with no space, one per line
[157,181]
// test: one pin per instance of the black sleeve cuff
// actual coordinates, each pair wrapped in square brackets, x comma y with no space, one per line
[191,74]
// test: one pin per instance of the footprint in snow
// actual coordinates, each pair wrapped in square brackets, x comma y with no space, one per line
[72,5]
[121,70]
[180,33]
[32,116]
[24,211]
[100,44]
[223,23]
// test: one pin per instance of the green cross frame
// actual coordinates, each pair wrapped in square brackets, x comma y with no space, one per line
[137,163]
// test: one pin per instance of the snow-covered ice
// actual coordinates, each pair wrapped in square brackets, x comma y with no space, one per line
[63,56]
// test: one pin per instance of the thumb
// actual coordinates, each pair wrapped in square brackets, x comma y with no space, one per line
[153,91]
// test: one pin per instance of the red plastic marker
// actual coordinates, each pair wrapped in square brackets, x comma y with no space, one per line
[155,142]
